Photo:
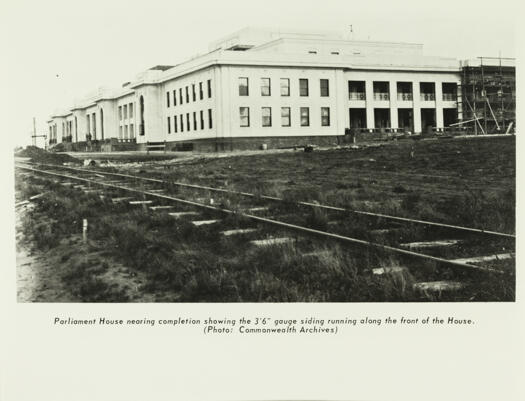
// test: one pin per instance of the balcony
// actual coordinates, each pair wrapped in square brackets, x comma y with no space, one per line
[428,97]
[404,96]
[357,96]
[381,96]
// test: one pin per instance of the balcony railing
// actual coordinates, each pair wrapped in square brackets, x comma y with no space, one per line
[428,96]
[357,95]
[404,96]
[381,96]
[449,97]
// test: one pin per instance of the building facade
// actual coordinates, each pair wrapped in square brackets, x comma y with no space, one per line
[258,87]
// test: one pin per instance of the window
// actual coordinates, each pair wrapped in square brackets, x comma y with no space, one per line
[94,124]
[201,92]
[180,96]
[325,116]
[125,112]
[131,131]
[303,87]
[324,88]
[210,121]
[194,121]
[305,116]
[126,132]
[188,126]
[209,88]
[266,116]
[174,97]
[167,99]
[202,119]
[169,125]
[175,125]
[243,86]
[244,113]
[182,123]
[194,95]
[285,87]
[265,87]
[187,94]
[285,116]
[120,132]
[131,110]
[119,114]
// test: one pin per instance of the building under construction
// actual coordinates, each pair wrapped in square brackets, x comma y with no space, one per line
[488,95]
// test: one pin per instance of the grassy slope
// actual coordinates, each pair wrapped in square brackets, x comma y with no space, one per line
[180,262]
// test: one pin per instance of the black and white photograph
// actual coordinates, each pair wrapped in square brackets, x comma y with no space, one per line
[275,165]
[261,200]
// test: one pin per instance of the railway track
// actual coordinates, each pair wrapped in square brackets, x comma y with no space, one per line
[450,247]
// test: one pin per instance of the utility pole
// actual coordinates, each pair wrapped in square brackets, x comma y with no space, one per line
[34,136]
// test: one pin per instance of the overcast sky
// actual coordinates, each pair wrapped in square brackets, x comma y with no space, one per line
[59,50]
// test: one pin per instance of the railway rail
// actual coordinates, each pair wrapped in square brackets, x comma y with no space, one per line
[251,205]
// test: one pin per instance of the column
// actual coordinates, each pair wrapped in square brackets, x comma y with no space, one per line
[369,88]
[417,107]
[439,105]
[394,123]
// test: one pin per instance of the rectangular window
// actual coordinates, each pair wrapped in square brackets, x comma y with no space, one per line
[187,94]
[169,125]
[126,132]
[188,126]
[303,87]
[94,124]
[202,119]
[120,132]
[131,131]
[125,112]
[175,125]
[167,99]
[244,113]
[285,116]
[209,88]
[174,97]
[119,113]
[210,121]
[180,96]
[182,123]
[285,87]
[131,110]
[243,86]
[193,93]
[201,92]
[324,88]
[265,87]
[266,116]
[194,121]
[305,116]
[325,116]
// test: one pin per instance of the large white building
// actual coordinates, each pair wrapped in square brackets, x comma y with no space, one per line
[258,87]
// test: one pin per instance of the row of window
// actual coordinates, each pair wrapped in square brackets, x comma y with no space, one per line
[284,85]
[180,123]
[381,90]
[123,111]
[266,113]
[126,131]
[181,97]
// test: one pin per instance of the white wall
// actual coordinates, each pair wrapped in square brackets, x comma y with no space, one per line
[255,101]
[190,107]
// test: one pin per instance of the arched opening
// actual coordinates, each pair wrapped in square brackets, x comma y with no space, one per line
[102,124]
[142,128]
[76,129]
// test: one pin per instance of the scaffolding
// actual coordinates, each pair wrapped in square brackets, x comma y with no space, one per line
[487,95]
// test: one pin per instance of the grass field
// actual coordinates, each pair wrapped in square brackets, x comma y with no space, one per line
[135,255]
